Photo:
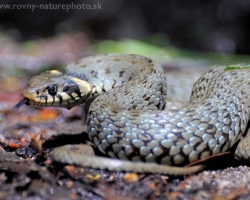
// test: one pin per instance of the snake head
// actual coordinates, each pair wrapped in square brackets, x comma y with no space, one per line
[55,90]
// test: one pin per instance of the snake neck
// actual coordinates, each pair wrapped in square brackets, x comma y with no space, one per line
[142,93]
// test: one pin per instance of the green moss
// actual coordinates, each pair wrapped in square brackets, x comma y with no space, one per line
[166,52]
[231,67]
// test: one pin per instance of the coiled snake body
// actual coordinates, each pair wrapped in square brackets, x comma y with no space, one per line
[129,118]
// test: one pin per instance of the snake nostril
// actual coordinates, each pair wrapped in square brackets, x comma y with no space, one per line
[37,92]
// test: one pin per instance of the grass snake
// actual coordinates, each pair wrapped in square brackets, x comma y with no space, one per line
[130,118]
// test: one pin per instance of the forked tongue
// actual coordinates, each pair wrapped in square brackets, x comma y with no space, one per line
[21,103]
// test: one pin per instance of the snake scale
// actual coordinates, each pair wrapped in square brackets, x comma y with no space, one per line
[129,118]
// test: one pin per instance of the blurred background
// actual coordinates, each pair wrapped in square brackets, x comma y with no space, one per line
[216,26]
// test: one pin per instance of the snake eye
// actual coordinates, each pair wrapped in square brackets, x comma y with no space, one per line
[52,89]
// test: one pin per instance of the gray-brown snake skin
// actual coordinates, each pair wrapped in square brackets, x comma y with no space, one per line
[127,120]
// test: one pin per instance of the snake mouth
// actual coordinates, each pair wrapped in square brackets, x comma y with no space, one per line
[21,103]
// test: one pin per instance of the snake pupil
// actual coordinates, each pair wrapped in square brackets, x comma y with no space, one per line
[52,89]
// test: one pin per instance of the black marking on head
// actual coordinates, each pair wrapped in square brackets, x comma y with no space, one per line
[86,97]
[78,92]
[46,99]
[66,88]
[72,88]
[94,73]
[150,61]
[53,97]
[71,96]
[60,98]
[121,73]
